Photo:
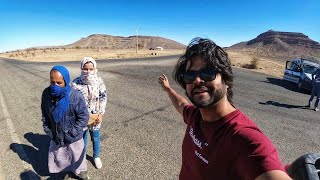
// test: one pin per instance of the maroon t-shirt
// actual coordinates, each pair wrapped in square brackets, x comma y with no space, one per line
[230,148]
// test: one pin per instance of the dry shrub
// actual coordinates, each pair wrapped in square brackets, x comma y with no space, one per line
[253,64]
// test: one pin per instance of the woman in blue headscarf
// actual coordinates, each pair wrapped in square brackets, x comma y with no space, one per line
[64,116]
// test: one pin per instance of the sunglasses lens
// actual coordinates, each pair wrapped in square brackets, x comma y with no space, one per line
[189,77]
[206,75]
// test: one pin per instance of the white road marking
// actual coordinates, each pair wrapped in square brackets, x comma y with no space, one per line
[15,139]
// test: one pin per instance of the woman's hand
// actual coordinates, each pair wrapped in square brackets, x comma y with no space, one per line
[98,120]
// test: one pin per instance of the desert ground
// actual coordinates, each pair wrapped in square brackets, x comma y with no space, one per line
[265,65]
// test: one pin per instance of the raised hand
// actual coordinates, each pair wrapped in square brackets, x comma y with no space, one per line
[164,82]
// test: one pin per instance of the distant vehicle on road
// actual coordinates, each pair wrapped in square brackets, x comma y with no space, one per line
[299,72]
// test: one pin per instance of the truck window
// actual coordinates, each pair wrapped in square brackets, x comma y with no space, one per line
[309,69]
[294,67]
[288,65]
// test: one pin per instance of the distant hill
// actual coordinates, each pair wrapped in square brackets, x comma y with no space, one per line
[119,42]
[281,44]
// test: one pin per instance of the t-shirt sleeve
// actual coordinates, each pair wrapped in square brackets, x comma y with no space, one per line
[256,153]
[188,113]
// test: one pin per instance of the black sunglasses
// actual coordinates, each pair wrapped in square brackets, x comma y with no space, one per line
[205,74]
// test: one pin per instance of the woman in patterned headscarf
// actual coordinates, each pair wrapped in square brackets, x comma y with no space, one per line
[64,115]
[94,91]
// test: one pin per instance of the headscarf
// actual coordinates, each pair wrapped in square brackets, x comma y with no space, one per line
[63,98]
[89,78]
[88,59]
[91,81]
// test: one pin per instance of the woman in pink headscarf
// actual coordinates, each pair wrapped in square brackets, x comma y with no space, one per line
[95,94]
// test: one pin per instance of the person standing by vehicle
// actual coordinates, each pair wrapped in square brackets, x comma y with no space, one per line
[220,141]
[315,89]
[95,94]
[64,115]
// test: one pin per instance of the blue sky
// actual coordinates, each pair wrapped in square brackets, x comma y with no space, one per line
[29,23]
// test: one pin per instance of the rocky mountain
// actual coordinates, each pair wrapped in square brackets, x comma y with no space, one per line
[281,44]
[119,42]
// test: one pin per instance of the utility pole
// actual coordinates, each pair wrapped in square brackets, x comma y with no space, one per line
[137,40]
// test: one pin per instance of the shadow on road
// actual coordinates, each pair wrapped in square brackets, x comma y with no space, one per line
[274,103]
[286,84]
[28,175]
[36,155]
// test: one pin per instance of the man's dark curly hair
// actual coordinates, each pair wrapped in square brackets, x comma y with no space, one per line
[214,56]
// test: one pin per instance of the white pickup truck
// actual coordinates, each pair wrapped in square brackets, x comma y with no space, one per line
[299,72]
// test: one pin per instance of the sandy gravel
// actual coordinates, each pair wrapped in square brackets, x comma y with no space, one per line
[270,66]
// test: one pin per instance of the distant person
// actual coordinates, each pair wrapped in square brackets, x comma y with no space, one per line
[95,94]
[64,115]
[220,141]
[315,89]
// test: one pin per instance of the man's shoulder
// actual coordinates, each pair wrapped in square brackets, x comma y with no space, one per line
[235,118]
[239,116]
[189,109]
[190,114]
[241,123]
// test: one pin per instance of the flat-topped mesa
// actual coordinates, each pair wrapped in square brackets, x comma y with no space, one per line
[120,42]
[291,38]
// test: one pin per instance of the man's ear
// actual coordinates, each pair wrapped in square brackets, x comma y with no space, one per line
[189,63]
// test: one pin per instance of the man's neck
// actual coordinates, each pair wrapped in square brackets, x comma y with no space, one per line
[217,110]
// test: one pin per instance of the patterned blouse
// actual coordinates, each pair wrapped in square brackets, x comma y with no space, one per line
[94,94]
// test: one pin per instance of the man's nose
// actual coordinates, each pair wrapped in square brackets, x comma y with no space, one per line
[198,80]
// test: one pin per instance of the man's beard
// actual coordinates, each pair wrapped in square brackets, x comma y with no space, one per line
[214,96]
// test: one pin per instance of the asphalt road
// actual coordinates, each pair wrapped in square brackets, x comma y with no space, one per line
[141,133]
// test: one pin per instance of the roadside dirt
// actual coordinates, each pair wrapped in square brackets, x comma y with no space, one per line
[270,66]
[64,54]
